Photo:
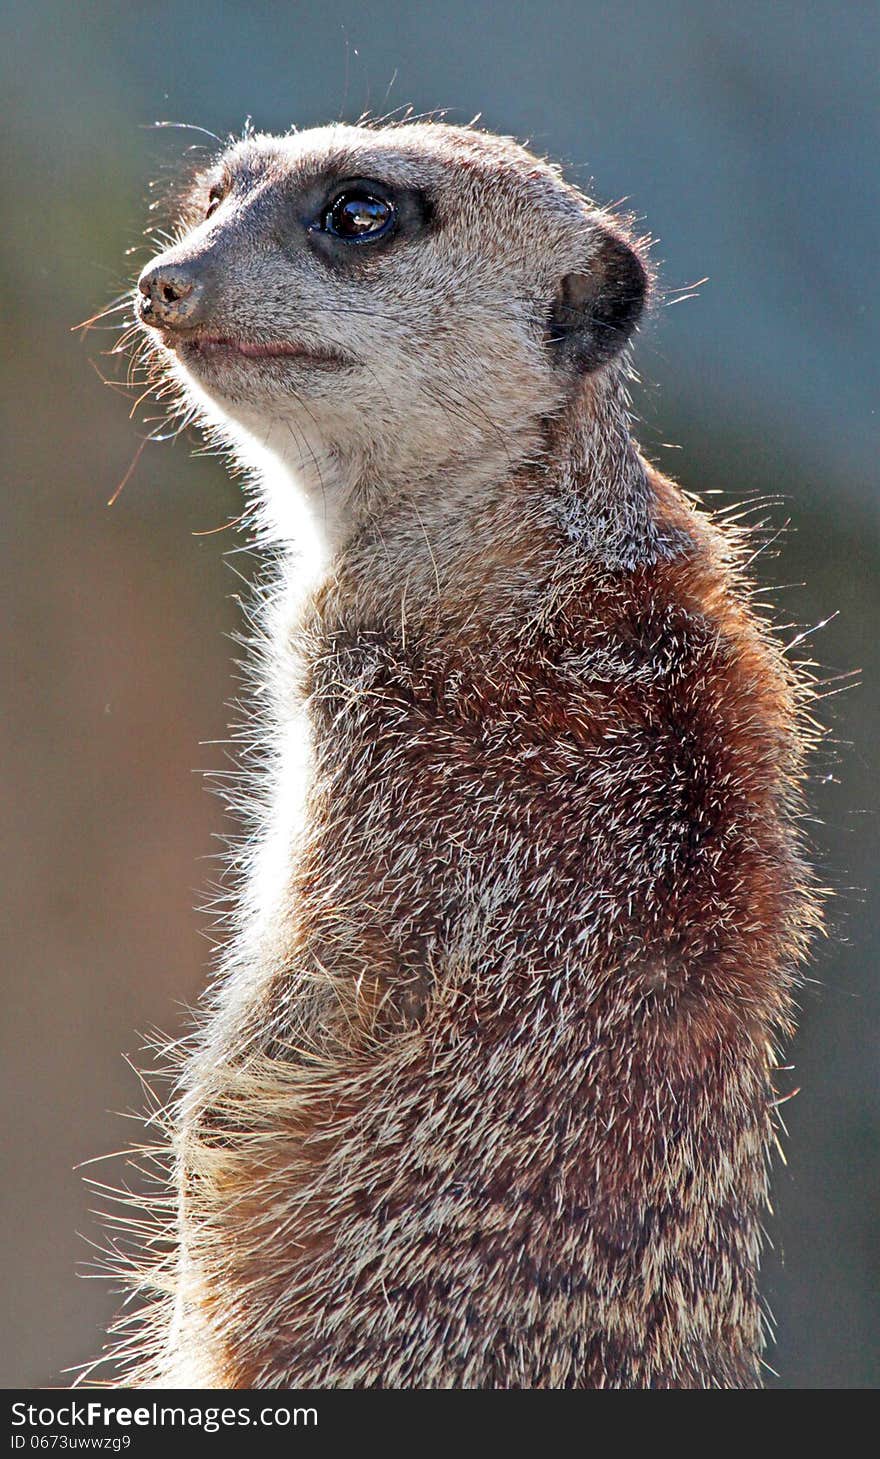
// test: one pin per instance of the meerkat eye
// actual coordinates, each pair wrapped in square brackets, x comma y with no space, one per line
[358,215]
[215,198]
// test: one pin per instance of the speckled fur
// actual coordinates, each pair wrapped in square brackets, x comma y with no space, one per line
[483,1095]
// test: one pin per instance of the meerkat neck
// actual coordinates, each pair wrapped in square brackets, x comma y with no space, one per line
[471,536]
[603,499]
[341,494]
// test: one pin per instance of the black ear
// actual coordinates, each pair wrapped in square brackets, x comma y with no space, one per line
[593,314]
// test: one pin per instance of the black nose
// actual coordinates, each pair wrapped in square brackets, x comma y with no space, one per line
[170,295]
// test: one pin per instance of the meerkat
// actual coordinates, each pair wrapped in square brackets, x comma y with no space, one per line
[483,1093]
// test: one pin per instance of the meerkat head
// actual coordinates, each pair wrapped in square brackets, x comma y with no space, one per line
[371,307]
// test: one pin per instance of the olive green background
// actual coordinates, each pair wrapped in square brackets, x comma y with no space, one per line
[746,135]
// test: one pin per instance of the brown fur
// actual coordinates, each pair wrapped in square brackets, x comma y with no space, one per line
[485,1098]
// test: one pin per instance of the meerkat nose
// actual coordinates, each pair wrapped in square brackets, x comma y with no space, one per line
[169,295]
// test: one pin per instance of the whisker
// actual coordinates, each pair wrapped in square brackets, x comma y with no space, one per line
[127,477]
[183,126]
[122,301]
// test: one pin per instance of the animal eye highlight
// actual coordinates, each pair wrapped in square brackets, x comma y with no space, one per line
[359,216]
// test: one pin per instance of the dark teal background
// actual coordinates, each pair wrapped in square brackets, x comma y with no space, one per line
[746,136]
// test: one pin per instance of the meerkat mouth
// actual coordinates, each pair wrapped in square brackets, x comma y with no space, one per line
[220,348]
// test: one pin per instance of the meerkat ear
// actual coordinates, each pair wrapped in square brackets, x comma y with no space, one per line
[593,314]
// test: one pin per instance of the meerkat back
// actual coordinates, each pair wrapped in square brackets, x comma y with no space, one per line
[482,1094]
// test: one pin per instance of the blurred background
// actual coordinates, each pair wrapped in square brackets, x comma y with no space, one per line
[746,136]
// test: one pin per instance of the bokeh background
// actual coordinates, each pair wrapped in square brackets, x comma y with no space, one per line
[746,135]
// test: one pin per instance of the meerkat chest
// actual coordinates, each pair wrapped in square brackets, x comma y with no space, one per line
[411,780]
[451,798]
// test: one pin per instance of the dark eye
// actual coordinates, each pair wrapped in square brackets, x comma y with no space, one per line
[215,198]
[358,215]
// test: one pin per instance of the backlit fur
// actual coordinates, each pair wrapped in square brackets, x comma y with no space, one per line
[482,1095]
